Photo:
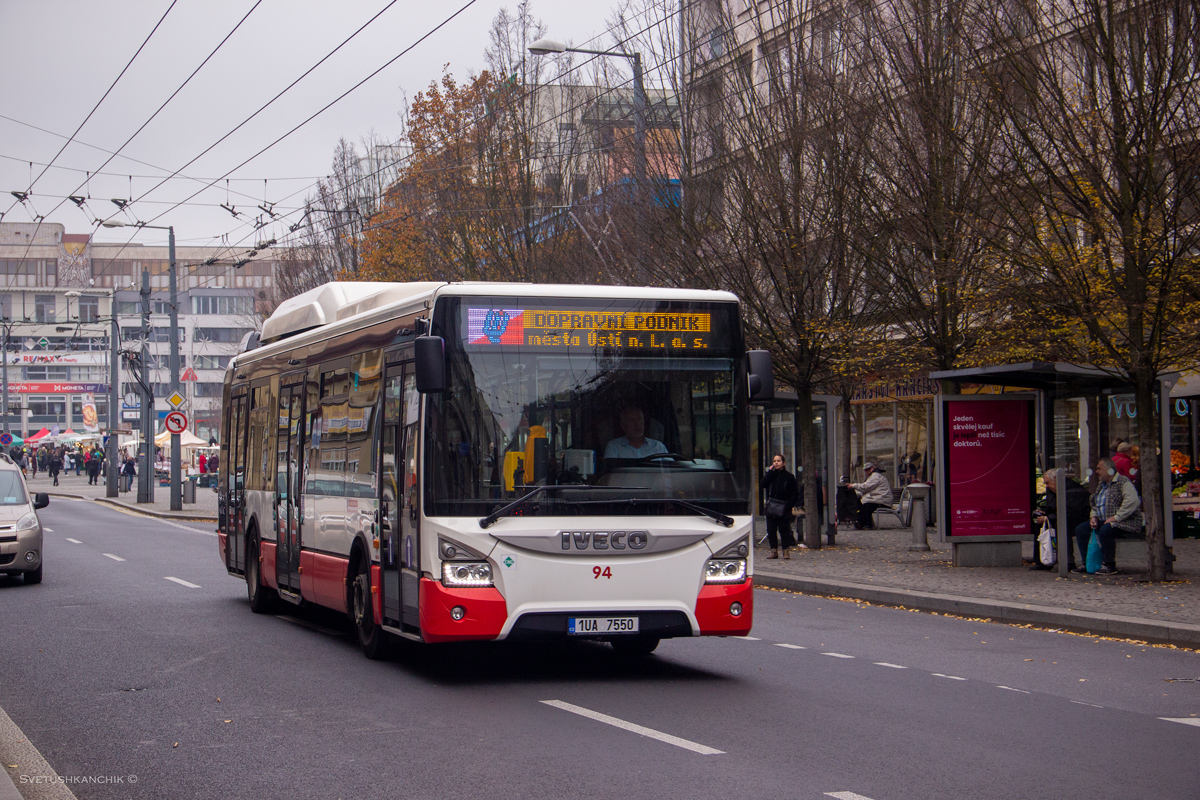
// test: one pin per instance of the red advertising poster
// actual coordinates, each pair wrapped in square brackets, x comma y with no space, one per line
[989,467]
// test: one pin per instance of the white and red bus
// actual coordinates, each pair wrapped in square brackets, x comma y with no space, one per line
[458,461]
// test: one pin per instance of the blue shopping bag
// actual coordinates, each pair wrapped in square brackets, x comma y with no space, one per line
[1095,555]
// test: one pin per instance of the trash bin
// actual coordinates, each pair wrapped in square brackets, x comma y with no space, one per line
[189,491]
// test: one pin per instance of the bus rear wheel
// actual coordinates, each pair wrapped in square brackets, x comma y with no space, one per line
[371,638]
[634,646]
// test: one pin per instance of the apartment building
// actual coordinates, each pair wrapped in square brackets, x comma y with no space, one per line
[61,290]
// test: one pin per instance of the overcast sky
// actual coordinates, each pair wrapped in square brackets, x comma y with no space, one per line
[60,56]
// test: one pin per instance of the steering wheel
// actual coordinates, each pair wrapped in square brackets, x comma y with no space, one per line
[657,456]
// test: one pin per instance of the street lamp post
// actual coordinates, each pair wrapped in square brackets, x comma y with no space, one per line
[173,310]
[545,46]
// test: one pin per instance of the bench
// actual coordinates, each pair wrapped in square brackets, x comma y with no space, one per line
[899,509]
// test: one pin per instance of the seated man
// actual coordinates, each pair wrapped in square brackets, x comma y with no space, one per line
[634,443]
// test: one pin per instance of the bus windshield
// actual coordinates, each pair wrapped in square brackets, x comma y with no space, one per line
[627,405]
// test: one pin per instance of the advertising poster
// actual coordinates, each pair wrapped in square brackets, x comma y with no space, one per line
[90,422]
[989,467]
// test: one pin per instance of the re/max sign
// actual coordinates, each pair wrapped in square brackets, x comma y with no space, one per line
[605,540]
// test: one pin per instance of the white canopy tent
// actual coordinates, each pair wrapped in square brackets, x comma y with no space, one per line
[186,439]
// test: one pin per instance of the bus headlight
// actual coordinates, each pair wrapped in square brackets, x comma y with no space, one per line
[725,570]
[462,574]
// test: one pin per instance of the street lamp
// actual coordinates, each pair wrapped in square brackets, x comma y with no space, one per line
[145,484]
[546,46]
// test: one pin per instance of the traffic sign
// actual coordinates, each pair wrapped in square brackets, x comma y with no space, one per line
[176,422]
[189,374]
[176,400]
[5,439]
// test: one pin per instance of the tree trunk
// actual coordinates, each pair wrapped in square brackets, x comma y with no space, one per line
[1150,470]
[808,459]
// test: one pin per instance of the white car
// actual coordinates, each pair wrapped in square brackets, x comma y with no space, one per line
[20,530]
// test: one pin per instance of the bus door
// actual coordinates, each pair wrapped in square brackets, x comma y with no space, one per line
[235,474]
[398,508]
[288,483]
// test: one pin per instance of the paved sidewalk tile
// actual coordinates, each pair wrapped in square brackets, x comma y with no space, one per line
[881,558]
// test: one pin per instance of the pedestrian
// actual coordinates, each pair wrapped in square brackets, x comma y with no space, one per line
[202,461]
[1122,459]
[214,463]
[1078,505]
[129,471]
[78,461]
[54,466]
[1115,507]
[31,460]
[93,469]
[779,488]
[874,492]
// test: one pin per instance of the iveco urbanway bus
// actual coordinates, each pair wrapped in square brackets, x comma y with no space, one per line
[457,461]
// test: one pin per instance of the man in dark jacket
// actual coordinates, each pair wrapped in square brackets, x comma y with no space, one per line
[1078,505]
[93,468]
[55,466]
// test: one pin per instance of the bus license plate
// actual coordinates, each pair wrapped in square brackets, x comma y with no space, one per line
[601,626]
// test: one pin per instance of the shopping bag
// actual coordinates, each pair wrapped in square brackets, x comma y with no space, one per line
[1095,556]
[1048,545]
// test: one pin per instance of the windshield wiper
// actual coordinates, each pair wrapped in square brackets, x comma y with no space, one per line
[690,506]
[490,519]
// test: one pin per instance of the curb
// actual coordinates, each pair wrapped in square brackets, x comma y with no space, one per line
[171,515]
[17,751]
[1175,633]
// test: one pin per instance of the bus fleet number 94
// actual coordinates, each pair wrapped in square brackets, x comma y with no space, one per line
[601,572]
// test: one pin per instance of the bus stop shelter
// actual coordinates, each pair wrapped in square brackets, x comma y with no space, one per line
[1051,382]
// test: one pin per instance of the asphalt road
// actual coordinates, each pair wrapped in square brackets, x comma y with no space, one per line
[149,677]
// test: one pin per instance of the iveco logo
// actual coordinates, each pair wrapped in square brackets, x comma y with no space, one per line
[605,540]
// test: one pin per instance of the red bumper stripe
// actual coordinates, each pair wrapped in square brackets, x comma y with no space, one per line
[712,609]
[486,612]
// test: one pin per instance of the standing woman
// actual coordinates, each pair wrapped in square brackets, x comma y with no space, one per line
[779,487]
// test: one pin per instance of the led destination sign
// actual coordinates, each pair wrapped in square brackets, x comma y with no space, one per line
[566,328]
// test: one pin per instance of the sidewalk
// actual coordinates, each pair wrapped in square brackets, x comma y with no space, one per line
[203,510]
[876,566]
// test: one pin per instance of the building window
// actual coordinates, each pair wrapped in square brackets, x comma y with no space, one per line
[6,306]
[43,308]
[207,390]
[222,335]
[47,406]
[89,309]
[211,362]
[47,372]
[224,304]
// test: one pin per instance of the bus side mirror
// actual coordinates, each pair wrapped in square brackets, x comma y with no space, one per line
[431,364]
[761,374]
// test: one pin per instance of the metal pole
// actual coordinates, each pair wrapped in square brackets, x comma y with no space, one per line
[145,492]
[1062,524]
[114,359]
[4,370]
[639,124]
[176,450]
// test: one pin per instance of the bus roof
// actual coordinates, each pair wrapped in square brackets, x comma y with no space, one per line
[348,301]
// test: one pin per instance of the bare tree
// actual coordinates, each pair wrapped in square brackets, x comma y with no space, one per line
[1099,206]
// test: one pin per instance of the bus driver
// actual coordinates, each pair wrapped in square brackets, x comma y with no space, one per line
[634,443]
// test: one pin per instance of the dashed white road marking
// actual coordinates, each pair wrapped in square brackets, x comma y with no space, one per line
[73,541]
[114,558]
[837,655]
[951,677]
[1011,689]
[790,646]
[182,582]
[48,530]
[1081,703]
[703,750]
[1184,720]
[847,796]
[747,638]
[892,666]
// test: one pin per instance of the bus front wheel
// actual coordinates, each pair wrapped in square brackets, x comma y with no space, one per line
[634,646]
[371,638]
[260,596]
